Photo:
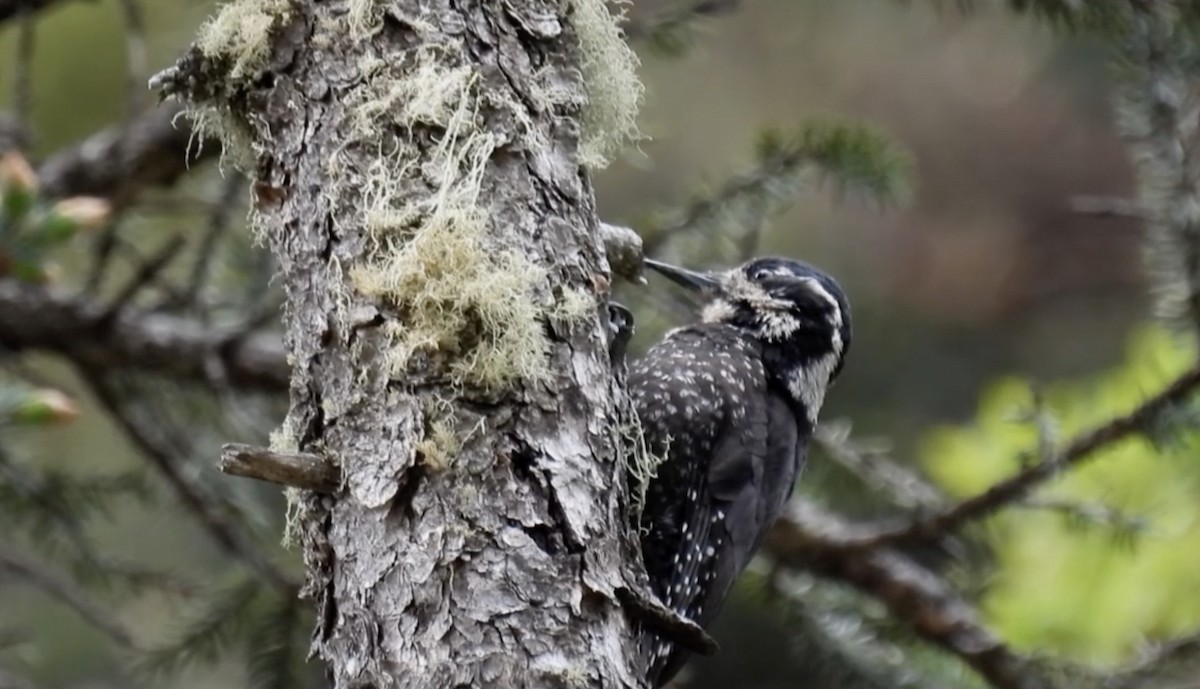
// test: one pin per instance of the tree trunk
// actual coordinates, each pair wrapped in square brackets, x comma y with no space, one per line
[417,174]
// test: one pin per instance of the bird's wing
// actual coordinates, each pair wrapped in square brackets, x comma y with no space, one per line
[751,477]
[787,449]
[682,419]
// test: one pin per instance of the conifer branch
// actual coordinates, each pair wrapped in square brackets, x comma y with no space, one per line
[913,594]
[1017,487]
[193,498]
[671,31]
[66,592]
[33,318]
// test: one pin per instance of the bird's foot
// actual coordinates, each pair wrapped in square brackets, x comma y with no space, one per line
[620,329]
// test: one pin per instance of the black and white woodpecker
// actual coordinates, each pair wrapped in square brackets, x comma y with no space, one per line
[728,404]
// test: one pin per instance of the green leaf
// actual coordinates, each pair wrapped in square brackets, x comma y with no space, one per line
[16,204]
[36,407]
[54,228]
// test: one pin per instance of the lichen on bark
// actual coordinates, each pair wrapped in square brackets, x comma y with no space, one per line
[418,170]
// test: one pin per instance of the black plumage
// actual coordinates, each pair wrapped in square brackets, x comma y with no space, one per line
[728,405]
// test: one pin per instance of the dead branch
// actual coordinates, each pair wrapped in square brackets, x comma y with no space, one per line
[116,163]
[296,469]
[33,318]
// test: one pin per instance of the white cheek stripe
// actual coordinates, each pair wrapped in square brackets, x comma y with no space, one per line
[809,383]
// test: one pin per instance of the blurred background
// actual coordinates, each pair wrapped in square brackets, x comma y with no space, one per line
[1013,259]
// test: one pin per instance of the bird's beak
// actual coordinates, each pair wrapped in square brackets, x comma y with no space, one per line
[698,282]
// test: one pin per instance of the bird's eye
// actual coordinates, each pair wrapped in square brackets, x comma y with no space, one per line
[762,273]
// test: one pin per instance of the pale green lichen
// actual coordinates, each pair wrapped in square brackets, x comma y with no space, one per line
[241,33]
[430,95]
[364,18]
[576,305]
[285,439]
[441,443]
[462,303]
[459,299]
[213,122]
[614,92]
[641,463]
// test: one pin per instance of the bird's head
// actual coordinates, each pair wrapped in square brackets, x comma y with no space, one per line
[789,304]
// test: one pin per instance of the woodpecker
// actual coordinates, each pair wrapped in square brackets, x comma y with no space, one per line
[728,405]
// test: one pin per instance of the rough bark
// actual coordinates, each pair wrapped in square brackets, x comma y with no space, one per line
[479,536]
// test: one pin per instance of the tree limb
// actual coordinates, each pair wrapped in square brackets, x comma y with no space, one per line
[1176,664]
[810,539]
[33,318]
[116,163]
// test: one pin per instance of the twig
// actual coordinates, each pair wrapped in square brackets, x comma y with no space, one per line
[752,183]
[162,458]
[1158,120]
[1177,664]
[901,486]
[23,371]
[13,8]
[12,134]
[23,78]
[30,486]
[65,591]
[1107,207]
[756,220]
[1011,490]
[299,469]
[135,56]
[104,248]
[145,274]
[835,625]
[218,224]
[678,17]
[1086,513]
